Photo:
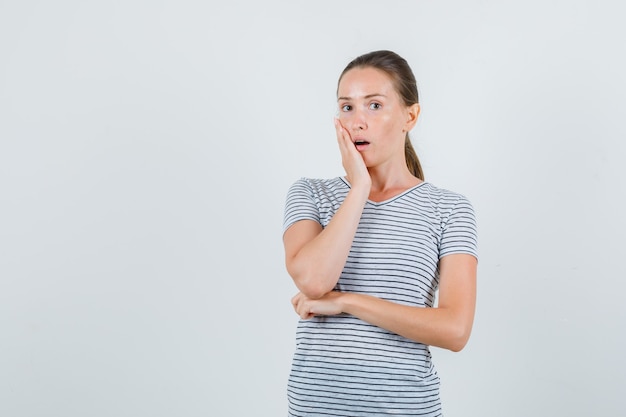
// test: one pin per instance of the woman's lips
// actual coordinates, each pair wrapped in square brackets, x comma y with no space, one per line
[361,144]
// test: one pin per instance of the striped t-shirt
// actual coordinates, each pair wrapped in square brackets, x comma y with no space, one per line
[344,366]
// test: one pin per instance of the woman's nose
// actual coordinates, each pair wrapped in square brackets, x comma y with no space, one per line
[359,121]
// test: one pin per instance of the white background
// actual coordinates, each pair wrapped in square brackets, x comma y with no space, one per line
[146,148]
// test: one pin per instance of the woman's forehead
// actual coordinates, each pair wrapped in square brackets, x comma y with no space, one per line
[362,82]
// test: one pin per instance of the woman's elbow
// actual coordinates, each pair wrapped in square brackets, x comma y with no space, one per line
[457,345]
[313,292]
[311,285]
[458,339]
[314,286]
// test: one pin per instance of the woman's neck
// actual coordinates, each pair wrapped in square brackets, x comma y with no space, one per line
[389,184]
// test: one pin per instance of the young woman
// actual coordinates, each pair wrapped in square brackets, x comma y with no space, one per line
[367,252]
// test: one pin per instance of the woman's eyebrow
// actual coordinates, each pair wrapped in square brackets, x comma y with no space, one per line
[365,97]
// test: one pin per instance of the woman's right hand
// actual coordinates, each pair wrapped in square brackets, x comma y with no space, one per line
[352,161]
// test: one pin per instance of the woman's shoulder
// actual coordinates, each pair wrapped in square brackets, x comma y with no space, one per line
[320,184]
[443,197]
[320,181]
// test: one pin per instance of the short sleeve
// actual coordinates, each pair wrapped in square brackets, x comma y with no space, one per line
[300,204]
[459,231]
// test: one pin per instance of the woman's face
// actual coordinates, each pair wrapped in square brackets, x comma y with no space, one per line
[374,115]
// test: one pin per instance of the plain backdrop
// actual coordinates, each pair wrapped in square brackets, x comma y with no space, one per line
[146,148]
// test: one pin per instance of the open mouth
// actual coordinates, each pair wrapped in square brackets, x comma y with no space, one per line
[361,142]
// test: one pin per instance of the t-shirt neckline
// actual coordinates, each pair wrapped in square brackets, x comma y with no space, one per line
[389,200]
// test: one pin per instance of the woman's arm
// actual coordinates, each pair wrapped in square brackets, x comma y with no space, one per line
[314,256]
[447,326]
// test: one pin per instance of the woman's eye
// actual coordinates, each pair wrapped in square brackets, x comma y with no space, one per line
[346,107]
[375,106]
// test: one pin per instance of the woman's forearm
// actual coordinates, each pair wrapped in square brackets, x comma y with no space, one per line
[448,328]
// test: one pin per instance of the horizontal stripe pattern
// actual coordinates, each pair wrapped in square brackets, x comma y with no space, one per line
[344,366]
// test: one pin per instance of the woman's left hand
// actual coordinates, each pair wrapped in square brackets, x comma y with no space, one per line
[328,305]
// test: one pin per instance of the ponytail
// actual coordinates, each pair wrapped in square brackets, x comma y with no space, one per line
[412,161]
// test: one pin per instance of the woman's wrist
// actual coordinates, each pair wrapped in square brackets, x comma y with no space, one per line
[361,189]
[347,302]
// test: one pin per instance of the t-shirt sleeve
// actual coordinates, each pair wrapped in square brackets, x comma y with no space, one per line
[459,232]
[300,204]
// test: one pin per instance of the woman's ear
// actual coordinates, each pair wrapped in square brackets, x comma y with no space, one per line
[413,112]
